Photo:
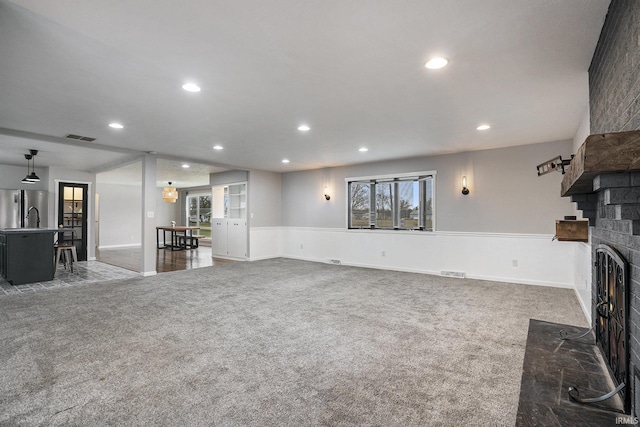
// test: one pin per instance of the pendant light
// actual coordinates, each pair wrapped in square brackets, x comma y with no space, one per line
[169,194]
[33,177]
[26,179]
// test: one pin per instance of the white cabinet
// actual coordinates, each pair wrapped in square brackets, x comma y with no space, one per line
[219,236]
[229,237]
[237,238]
[229,229]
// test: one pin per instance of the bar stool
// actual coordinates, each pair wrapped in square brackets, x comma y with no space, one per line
[66,251]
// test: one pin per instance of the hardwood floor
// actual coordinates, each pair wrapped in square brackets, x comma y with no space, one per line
[166,260]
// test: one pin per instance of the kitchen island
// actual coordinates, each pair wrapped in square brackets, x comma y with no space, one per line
[26,254]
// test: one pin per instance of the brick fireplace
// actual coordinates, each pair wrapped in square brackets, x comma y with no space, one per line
[611,200]
[604,180]
[605,184]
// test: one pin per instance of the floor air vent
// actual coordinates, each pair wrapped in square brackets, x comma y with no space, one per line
[80,137]
[459,274]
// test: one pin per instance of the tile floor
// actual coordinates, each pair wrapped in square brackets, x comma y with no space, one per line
[85,272]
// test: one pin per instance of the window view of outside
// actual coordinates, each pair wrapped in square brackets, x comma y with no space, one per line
[384,205]
[401,203]
[199,213]
[360,204]
[409,204]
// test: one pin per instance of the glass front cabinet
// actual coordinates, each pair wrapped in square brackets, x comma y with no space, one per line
[229,220]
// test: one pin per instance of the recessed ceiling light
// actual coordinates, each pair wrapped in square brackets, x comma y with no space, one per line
[304,128]
[483,127]
[218,147]
[116,125]
[285,160]
[191,87]
[186,166]
[363,149]
[436,63]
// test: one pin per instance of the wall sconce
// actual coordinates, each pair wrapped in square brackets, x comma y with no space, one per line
[555,164]
[465,190]
[326,193]
[169,194]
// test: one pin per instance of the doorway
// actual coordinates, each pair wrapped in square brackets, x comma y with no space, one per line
[199,213]
[72,215]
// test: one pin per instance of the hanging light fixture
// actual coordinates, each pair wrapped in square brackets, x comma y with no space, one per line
[169,194]
[33,177]
[26,179]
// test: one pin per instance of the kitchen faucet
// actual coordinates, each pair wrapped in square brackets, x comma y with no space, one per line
[37,215]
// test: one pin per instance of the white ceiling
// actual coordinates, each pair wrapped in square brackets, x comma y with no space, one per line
[197,175]
[352,70]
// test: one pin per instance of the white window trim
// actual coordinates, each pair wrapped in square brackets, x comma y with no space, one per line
[391,176]
[347,180]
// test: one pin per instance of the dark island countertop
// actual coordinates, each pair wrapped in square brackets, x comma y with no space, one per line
[32,230]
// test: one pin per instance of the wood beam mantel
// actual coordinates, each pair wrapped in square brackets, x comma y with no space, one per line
[601,153]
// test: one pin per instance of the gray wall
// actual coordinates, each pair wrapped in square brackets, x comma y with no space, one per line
[265,201]
[11,177]
[506,195]
[614,74]
[119,214]
[57,175]
[228,177]
[167,212]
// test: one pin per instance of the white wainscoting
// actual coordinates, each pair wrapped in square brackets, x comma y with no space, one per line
[488,256]
[265,242]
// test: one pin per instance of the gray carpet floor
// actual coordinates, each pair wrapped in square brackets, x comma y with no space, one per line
[271,343]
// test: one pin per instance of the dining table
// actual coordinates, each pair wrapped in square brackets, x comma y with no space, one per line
[181,237]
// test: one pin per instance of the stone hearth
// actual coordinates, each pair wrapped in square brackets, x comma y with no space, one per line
[552,365]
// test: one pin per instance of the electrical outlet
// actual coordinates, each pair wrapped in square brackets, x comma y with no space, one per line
[514,262]
[301,246]
[384,253]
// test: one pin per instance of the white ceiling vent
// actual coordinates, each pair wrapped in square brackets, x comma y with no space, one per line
[80,137]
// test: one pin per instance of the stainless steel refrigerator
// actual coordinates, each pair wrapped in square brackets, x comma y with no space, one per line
[16,204]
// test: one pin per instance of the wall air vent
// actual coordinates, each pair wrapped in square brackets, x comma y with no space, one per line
[80,137]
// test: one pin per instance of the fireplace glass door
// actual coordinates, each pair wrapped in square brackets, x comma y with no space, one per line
[611,314]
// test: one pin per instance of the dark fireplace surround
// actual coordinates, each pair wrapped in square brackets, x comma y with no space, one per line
[604,180]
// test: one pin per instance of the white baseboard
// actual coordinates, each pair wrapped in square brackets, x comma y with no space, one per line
[586,310]
[229,258]
[260,258]
[132,245]
[522,281]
